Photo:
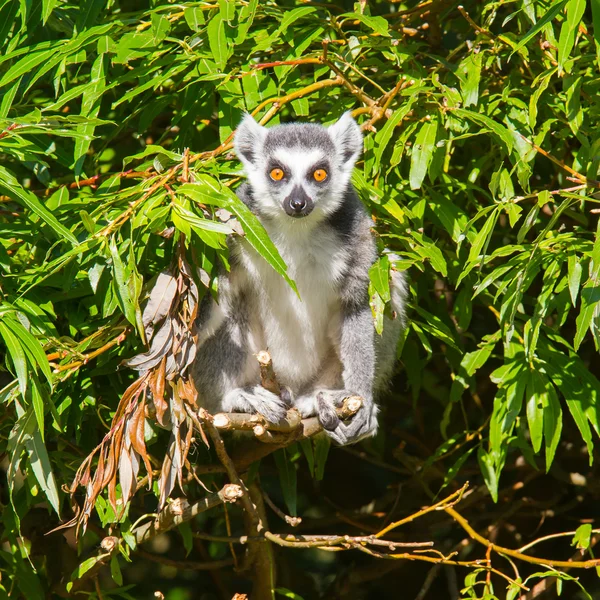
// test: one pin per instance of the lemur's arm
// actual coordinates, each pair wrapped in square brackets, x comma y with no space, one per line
[357,347]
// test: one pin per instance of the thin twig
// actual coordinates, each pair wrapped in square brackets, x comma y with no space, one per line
[551,537]
[91,355]
[292,521]
[442,505]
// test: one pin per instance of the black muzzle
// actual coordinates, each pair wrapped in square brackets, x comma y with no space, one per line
[298,203]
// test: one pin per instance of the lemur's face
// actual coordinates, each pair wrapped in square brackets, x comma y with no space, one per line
[300,169]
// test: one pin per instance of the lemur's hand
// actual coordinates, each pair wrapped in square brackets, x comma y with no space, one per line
[363,423]
[256,399]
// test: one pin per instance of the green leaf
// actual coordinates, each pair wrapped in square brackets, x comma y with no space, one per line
[582,537]
[287,594]
[31,440]
[287,479]
[11,187]
[201,223]
[575,271]
[17,356]
[89,11]
[471,362]
[307,448]
[379,275]
[482,239]
[596,27]
[540,88]
[42,469]
[552,423]
[26,64]
[384,136]
[38,406]
[291,16]
[536,400]
[590,299]
[489,472]
[32,346]
[378,24]
[83,568]
[436,326]
[90,108]
[578,386]
[218,41]
[121,284]
[322,443]
[47,7]
[115,570]
[469,73]
[245,20]
[532,328]
[500,131]
[422,153]
[575,10]
[429,251]
[194,17]
[554,10]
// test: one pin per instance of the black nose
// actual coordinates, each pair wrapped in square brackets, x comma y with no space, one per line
[298,204]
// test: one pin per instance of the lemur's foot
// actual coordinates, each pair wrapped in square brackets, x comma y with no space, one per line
[362,424]
[256,399]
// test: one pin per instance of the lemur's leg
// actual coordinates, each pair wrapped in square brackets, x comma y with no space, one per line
[225,371]
[357,354]
[368,361]
[352,374]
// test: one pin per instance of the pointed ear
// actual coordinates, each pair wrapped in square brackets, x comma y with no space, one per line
[347,138]
[248,139]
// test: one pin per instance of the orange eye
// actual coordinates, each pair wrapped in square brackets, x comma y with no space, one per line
[320,175]
[277,174]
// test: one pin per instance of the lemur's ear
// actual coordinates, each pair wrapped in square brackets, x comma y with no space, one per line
[248,139]
[347,137]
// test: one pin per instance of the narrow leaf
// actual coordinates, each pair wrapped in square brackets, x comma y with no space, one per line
[11,187]
[422,153]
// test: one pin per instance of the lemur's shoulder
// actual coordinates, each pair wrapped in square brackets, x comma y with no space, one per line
[244,193]
[352,223]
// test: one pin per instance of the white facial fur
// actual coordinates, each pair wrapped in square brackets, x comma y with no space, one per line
[298,149]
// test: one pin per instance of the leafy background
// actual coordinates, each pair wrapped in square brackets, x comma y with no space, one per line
[480,169]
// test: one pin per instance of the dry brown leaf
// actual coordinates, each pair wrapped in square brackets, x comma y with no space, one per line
[160,301]
[109,470]
[189,429]
[177,409]
[125,475]
[157,387]
[168,474]
[138,423]
[192,414]
[161,344]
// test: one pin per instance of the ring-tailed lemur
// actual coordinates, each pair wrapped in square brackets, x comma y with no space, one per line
[323,344]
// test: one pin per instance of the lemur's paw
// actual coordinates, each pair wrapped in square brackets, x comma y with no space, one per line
[271,406]
[363,424]
[327,400]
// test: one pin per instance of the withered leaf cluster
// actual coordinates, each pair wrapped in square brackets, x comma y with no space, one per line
[163,393]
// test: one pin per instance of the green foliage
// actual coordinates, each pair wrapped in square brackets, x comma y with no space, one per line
[480,168]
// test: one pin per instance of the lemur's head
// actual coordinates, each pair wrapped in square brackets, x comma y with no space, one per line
[298,169]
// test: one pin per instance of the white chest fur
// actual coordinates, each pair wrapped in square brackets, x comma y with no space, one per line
[298,331]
